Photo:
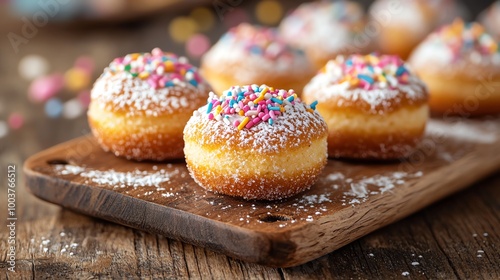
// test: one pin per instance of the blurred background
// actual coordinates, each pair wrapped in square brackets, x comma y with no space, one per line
[52,50]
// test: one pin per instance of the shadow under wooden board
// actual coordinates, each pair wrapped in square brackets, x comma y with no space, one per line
[350,200]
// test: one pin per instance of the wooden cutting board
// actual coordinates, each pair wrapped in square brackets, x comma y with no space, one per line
[350,200]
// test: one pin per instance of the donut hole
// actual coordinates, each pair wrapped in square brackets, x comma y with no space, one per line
[274,218]
[57,162]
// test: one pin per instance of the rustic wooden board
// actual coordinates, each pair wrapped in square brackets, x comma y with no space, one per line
[350,200]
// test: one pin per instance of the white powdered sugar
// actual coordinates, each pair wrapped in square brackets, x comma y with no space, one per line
[137,97]
[135,179]
[250,67]
[288,128]
[324,88]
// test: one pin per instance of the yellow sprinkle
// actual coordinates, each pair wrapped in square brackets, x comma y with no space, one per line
[241,112]
[381,78]
[218,109]
[169,66]
[183,71]
[295,96]
[143,75]
[134,56]
[261,97]
[243,123]
[310,110]
[354,82]
[282,109]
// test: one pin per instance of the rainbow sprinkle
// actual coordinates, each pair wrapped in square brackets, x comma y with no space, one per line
[368,71]
[160,69]
[248,106]
[463,38]
[261,41]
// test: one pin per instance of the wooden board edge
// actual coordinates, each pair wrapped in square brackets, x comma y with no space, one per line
[268,249]
[479,169]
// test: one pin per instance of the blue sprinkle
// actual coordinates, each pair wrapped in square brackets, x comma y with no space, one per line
[274,99]
[273,108]
[255,50]
[53,108]
[209,107]
[401,70]
[231,103]
[348,62]
[270,121]
[240,97]
[366,78]
[314,104]
[169,84]
[193,82]
[290,98]
[370,68]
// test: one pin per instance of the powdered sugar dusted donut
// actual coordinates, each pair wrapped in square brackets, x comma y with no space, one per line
[374,106]
[256,143]
[404,24]
[142,101]
[327,29]
[251,54]
[460,63]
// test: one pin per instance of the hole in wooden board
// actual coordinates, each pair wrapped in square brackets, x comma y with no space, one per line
[57,162]
[274,218]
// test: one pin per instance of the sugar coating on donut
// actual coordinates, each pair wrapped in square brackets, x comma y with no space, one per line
[262,119]
[149,84]
[460,47]
[379,84]
[336,26]
[256,143]
[252,51]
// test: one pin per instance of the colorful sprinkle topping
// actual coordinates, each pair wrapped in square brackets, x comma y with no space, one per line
[248,106]
[160,69]
[368,71]
[463,38]
[260,41]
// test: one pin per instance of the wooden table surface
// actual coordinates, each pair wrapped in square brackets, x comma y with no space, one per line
[458,237]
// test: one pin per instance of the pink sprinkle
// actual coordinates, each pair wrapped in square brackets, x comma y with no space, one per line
[157,52]
[15,121]
[253,97]
[265,117]
[240,104]
[236,123]
[210,116]
[43,88]
[256,120]
[246,108]
[153,83]
[272,115]
[249,125]
[261,114]
[232,111]
[268,102]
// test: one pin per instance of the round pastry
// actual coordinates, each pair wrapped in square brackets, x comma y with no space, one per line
[327,29]
[491,20]
[460,64]
[412,20]
[250,54]
[142,101]
[256,143]
[375,108]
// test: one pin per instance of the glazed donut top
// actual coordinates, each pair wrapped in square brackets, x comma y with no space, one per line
[376,84]
[248,50]
[491,20]
[260,118]
[150,84]
[466,46]
[331,26]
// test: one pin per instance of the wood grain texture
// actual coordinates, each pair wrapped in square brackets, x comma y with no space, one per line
[350,200]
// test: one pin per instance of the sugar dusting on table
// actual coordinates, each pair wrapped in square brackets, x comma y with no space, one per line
[117,179]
